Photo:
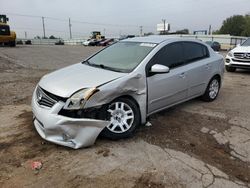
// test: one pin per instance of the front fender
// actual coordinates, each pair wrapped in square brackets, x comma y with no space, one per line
[133,85]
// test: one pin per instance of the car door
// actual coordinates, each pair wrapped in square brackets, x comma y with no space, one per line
[196,55]
[169,88]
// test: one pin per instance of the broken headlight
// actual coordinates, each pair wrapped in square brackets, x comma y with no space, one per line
[78,100]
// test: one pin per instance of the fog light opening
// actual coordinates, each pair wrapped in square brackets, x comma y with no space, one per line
[65,137]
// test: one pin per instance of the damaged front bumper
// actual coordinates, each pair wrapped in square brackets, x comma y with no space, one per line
[66,131]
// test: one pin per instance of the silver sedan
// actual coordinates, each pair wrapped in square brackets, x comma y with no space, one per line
[115,90]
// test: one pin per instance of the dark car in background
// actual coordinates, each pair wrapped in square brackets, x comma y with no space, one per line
[126,37]
[95,42]
[19,42]
[214,45]
[60,42]
[28,42]
[106,42]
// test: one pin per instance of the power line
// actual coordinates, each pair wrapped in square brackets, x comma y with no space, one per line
[70,21]
[104,24]
[47,29]
[24,15]
[75,21]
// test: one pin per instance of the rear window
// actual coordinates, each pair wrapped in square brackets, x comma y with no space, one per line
[194,51]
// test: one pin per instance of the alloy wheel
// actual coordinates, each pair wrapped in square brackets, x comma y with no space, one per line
[121,117]
[214,89]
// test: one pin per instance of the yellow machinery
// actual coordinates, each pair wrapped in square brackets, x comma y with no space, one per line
[7,37]
[97,35]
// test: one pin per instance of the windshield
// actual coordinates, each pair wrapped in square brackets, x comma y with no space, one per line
[4,30]
[246,43]
[122,56]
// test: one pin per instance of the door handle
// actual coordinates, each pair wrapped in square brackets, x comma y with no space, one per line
[182,75]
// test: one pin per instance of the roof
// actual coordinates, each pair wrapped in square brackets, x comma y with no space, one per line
[152,39]
[158,39]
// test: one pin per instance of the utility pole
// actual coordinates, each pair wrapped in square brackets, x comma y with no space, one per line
[70,33]
[25,34]
[43,28]
[141,29]
[210,30]
[164,26]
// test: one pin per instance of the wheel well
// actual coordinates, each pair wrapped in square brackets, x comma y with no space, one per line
[132,99]
[217,76]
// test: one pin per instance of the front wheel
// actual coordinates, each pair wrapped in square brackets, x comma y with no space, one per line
[124,117]
[212,90]
[12,43]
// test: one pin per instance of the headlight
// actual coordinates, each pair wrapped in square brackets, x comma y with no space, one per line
[78,100]
[230,54]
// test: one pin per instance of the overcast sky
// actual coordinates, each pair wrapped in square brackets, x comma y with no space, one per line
[116,16]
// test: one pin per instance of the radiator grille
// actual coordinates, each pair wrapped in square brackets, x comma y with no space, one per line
[245,56]
[44,99]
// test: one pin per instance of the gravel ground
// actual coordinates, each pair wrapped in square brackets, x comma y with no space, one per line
[195,144]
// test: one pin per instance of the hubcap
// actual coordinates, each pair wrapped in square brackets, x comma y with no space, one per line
[121,117]
[214,89]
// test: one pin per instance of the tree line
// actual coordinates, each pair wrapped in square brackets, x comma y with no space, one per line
[237,25]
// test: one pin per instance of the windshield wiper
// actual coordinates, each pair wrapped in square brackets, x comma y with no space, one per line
[86,62]
[108,68]
[102,66]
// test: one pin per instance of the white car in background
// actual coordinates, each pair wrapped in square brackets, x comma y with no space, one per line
[86,43]
[239,57]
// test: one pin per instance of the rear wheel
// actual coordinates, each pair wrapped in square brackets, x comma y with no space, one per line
[124,117]
[230,69]
[12,43]
[212,90]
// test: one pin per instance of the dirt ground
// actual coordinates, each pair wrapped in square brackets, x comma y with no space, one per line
[195,144]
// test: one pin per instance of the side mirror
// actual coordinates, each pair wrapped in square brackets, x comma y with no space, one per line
[157,68]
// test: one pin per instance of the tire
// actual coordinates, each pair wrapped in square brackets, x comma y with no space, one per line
[123,109]
[230,69]
[12,43]
[212,90]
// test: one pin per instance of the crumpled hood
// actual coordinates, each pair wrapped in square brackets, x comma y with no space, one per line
[242,49]
[64,82]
